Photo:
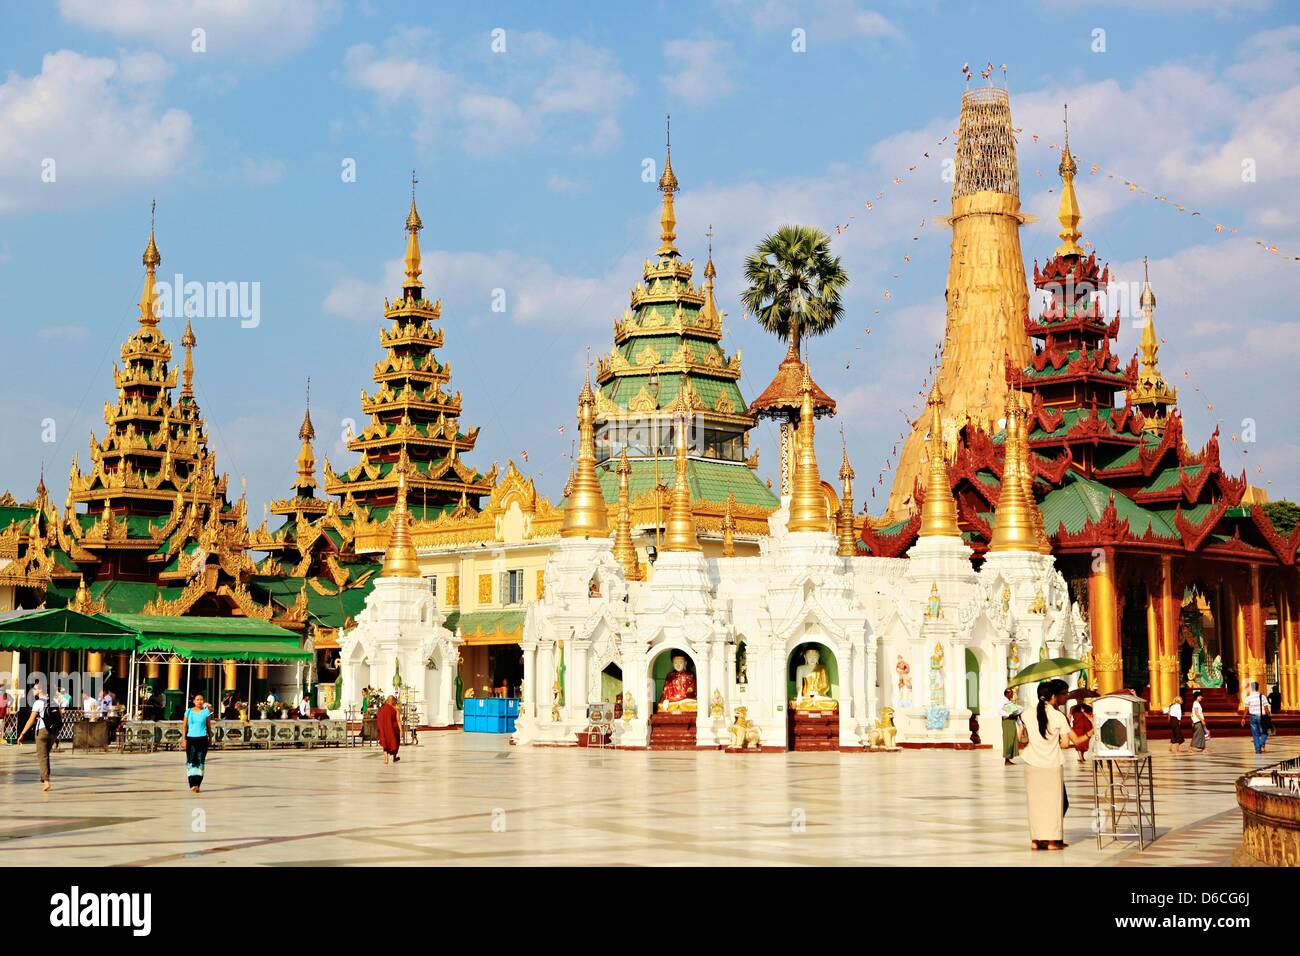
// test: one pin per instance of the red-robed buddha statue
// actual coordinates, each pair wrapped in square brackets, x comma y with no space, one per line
[679,689]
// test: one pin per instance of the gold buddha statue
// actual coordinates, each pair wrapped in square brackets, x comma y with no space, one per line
[679,689]
[814,684]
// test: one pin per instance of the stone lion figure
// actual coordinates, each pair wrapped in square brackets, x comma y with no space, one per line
[883,732]
[743,732]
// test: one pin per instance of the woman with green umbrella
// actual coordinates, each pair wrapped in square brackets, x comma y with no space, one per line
[1044,756]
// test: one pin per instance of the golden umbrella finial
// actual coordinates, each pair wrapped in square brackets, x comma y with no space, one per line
[939,510]
[624,547]
[679,531]
[1068,211]
[584,511]
[667,217]
[413,226]
[807,503]
[847,533]
[399,557]
[151,260]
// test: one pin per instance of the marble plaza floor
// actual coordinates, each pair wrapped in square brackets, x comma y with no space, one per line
[460,799]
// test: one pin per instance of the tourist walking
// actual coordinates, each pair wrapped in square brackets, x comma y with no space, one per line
[389,726]
[1257,714]
[1200,735]
[198,734]
[1044,757]
[1011,712]
[42,717]
[1175,712]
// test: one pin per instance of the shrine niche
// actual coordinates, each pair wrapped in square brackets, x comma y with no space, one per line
[676,696]
[813,680]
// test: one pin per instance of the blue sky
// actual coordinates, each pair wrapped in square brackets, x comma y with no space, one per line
[530,164]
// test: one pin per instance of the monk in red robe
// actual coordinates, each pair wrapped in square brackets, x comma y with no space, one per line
[390,729]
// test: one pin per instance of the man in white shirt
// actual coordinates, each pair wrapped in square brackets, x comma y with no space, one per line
[44,739]
[89,706]
[1257,709]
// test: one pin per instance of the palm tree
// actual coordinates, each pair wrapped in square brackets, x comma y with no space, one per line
[795,284]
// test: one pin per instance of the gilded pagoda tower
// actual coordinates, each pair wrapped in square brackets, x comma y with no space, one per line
[413,415]
[987,299]
[668,354]
[157,532]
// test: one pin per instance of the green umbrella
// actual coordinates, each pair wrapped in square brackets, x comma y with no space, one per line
[1047,669]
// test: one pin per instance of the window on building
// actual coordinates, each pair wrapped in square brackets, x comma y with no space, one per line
[512,587]
[432,581]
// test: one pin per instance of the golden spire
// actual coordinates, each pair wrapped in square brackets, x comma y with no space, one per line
[679,531]
[624,548]
[729,527]
[1068,211]
[710,312]
[413,227]
[668,186]
[584,511]
[939,510]
[807,503]
[151,260]
[1015,526]
[306,457]
[188,341]
[848,534]
[1151,394]
[399,556]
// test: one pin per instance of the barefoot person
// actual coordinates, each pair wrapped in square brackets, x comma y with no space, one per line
[389,726]
[198,732]
[1199,732]
[1011,712]
[1044,758]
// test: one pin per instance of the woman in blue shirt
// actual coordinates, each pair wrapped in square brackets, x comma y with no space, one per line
[198,731]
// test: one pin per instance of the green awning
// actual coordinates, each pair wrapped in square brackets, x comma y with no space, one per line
[63,630]
[267,649]
[213,638]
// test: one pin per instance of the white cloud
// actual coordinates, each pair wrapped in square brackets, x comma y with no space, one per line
[826,21]
[244,29]
[699,71]
[542,84]
[98,119]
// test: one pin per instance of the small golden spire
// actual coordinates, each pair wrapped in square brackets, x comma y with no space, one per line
[151,260]
[1014,525]
[939,510]
[1068,211]
[668,186]
[413,227]
[399,557]
[729,527]
[847,533]
[807,503]
[306,457]
[584,511]
[679,531]
[1151,394]
[624,548]
[188,341]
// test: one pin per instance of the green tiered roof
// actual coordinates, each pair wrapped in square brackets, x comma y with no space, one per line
[667,345]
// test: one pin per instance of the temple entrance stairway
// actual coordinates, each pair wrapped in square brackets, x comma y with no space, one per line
[1222,718]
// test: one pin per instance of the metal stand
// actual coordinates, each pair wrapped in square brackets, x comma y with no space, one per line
[1124,799]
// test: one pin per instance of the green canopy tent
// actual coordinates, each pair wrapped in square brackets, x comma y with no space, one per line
[60,629]
[211,639]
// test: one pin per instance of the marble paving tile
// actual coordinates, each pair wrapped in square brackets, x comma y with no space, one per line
[459,800]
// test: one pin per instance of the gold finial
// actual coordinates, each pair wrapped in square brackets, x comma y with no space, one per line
[306,457]
[1068,211]
[399,556]
[624,548]
[1014,525]
[188,341]
[807,503]
[847,533]
[1151,393]
[668,186]
[729,527]
[151,260]
[82,601]
[939,510]
[413,227]
[584,511]
[679,531]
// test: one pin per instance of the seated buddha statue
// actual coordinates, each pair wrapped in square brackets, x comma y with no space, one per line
[679,689]
[813,683]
